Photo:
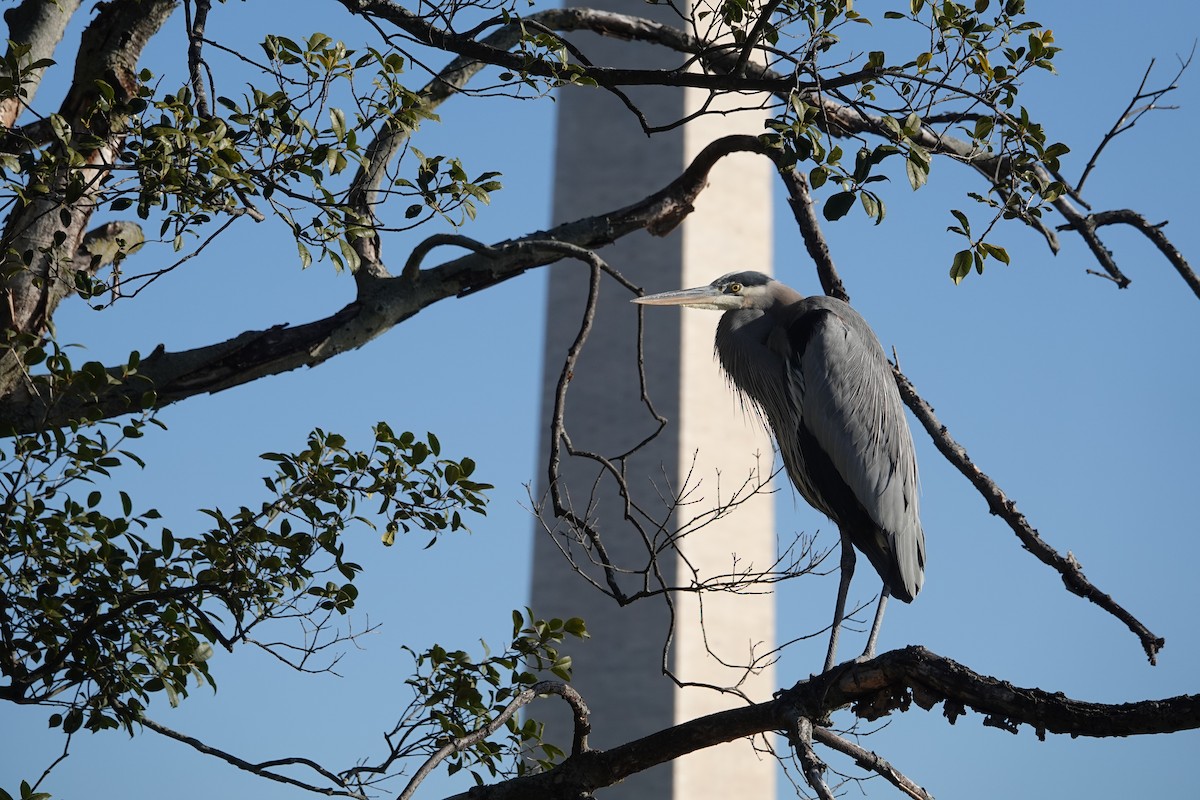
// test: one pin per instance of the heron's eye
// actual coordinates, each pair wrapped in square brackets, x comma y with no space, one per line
[734,288]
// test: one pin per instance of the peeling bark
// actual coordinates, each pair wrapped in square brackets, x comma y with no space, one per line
[42,236]
[40,25]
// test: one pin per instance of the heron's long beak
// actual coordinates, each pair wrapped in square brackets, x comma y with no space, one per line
[701,296]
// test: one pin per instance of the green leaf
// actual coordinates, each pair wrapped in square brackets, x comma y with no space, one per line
[962,220]
[995,251]
[918,172]
[873,206]
[961,267]
[350,254]
[838,205]
[73,720]
[338,120]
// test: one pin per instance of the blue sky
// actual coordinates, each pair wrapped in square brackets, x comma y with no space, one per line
[1077,398]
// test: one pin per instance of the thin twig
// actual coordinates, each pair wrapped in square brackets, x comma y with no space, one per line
[1132,113]
[62,757]
[871,761]
[339,790]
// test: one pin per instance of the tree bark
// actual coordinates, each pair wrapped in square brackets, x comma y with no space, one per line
[890,682]
[43,234]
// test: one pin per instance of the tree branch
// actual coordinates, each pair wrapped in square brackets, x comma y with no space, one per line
[728,71]
[999,504]
[872,762]
[40,25]
[1155,235]
[1132,113]
[196,65]
[263,769]
[956,454]
[801,735]
[44,227]
[382,304]
[578,708]
[889,682]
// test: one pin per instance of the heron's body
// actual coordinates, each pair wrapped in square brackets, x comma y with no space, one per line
[814,370]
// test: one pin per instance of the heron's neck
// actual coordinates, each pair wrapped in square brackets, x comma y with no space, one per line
[786,296]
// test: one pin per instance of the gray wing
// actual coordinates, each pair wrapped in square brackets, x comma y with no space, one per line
[842,385]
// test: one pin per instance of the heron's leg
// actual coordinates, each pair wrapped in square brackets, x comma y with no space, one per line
[869,653]
[839,611]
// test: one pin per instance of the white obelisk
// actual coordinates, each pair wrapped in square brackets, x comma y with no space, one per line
[710,446]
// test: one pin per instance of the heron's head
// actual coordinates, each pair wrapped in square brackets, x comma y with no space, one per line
[728,292]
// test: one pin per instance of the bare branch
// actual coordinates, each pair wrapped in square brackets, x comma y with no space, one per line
[61,758]
[800,736]
[872,762]
[755,33]
[1156,236]
[805,213]
[196,65]
[263,770]
[1085,226]
[1134,112]
[999,504]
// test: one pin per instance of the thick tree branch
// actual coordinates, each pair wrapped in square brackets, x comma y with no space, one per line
[382,304]
[40,25]
[890,682]
[41,236]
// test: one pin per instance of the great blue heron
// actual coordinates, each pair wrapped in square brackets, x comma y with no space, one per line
[815,370]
